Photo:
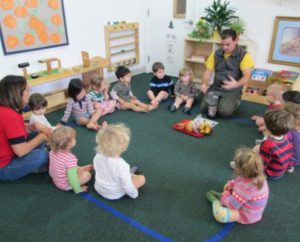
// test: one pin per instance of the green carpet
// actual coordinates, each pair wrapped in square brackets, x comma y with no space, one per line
[179,169]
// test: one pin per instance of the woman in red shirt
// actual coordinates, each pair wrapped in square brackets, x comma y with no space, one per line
[22,152]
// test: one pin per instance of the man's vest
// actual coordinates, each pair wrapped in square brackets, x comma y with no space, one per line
[229,67]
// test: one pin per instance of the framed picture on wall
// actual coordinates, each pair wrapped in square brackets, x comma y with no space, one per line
[32,25]
[285,46]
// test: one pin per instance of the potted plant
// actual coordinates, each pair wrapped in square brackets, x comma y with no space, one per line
[238,25]
[201,31]
[219,14]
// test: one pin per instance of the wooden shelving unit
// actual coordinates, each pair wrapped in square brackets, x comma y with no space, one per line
[58,98]
[197,52]
[122,44]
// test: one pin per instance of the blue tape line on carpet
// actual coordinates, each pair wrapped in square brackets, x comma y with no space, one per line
[221,235]
[125,218]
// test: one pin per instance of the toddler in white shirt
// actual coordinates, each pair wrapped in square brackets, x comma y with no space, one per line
[113,178]
[38,104]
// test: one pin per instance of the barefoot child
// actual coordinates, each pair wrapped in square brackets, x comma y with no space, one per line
[80,105]
[63,168]
[121,92]
[100,97]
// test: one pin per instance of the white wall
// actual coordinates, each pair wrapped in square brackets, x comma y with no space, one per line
[259,16]
[85,23]
[86,19]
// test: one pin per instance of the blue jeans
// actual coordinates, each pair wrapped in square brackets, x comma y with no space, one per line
[19,167]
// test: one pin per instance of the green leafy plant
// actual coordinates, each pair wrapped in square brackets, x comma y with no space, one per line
[219,14]
[201,31]
[239,26]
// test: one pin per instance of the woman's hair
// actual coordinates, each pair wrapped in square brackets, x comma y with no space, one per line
[278,121]
[37,101]
[61,138]
[186,71]
[74,88]
[11,92]
[113,140]
[249,165]
[294,109]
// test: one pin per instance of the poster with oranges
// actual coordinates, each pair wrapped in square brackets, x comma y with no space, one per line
[27,25]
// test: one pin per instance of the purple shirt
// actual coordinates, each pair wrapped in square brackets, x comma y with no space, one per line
[294,137]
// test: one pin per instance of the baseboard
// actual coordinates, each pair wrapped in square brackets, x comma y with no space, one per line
[133,72]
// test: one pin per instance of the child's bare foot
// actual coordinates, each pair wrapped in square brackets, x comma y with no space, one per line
[93,126]
[88,167]
[84,188]
[152,107]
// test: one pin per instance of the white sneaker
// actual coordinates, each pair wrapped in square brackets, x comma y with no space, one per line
[232,164]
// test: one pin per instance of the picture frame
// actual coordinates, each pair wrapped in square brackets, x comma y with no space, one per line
[32,25]
[285,45]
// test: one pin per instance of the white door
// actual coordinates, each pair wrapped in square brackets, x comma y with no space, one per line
[166,44]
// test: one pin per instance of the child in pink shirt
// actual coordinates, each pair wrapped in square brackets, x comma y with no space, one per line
[63,167]
[243,199]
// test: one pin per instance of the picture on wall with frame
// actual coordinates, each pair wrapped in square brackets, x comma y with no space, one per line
[285,46]
[32,25]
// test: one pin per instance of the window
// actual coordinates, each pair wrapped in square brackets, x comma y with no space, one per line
[179,8]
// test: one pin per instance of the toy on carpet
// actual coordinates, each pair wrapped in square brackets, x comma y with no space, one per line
[197,127]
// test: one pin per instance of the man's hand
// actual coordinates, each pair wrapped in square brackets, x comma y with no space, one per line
[204,88]
[231,83]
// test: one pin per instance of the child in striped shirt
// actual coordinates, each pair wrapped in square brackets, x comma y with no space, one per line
[277,150]
[100,97]
[243,199]
[63,167]
[80,105]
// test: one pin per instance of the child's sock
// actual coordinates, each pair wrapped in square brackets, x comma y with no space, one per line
[221,214]
[211,197]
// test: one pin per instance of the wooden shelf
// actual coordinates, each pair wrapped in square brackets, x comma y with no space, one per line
[58,98]
[117,36]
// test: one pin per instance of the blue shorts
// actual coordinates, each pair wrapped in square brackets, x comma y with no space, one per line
[83,115]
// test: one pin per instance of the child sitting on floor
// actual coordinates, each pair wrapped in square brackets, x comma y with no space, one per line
[121,92]
[277,151]
[185,91]
[294,133]
[100,97]
[113,178]
[160,84]
[80,105]
[38,104]
[274,99]
[243,199]
[63,167]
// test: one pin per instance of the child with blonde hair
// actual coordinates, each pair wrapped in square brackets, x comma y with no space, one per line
[274,99]
[114,178]
[294,133]
[185,91]
[100,97]
[243,199]
[63,167]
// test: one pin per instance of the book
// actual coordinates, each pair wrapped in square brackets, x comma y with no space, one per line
[260,74]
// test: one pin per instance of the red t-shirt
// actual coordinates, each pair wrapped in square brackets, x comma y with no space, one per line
[12,131]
